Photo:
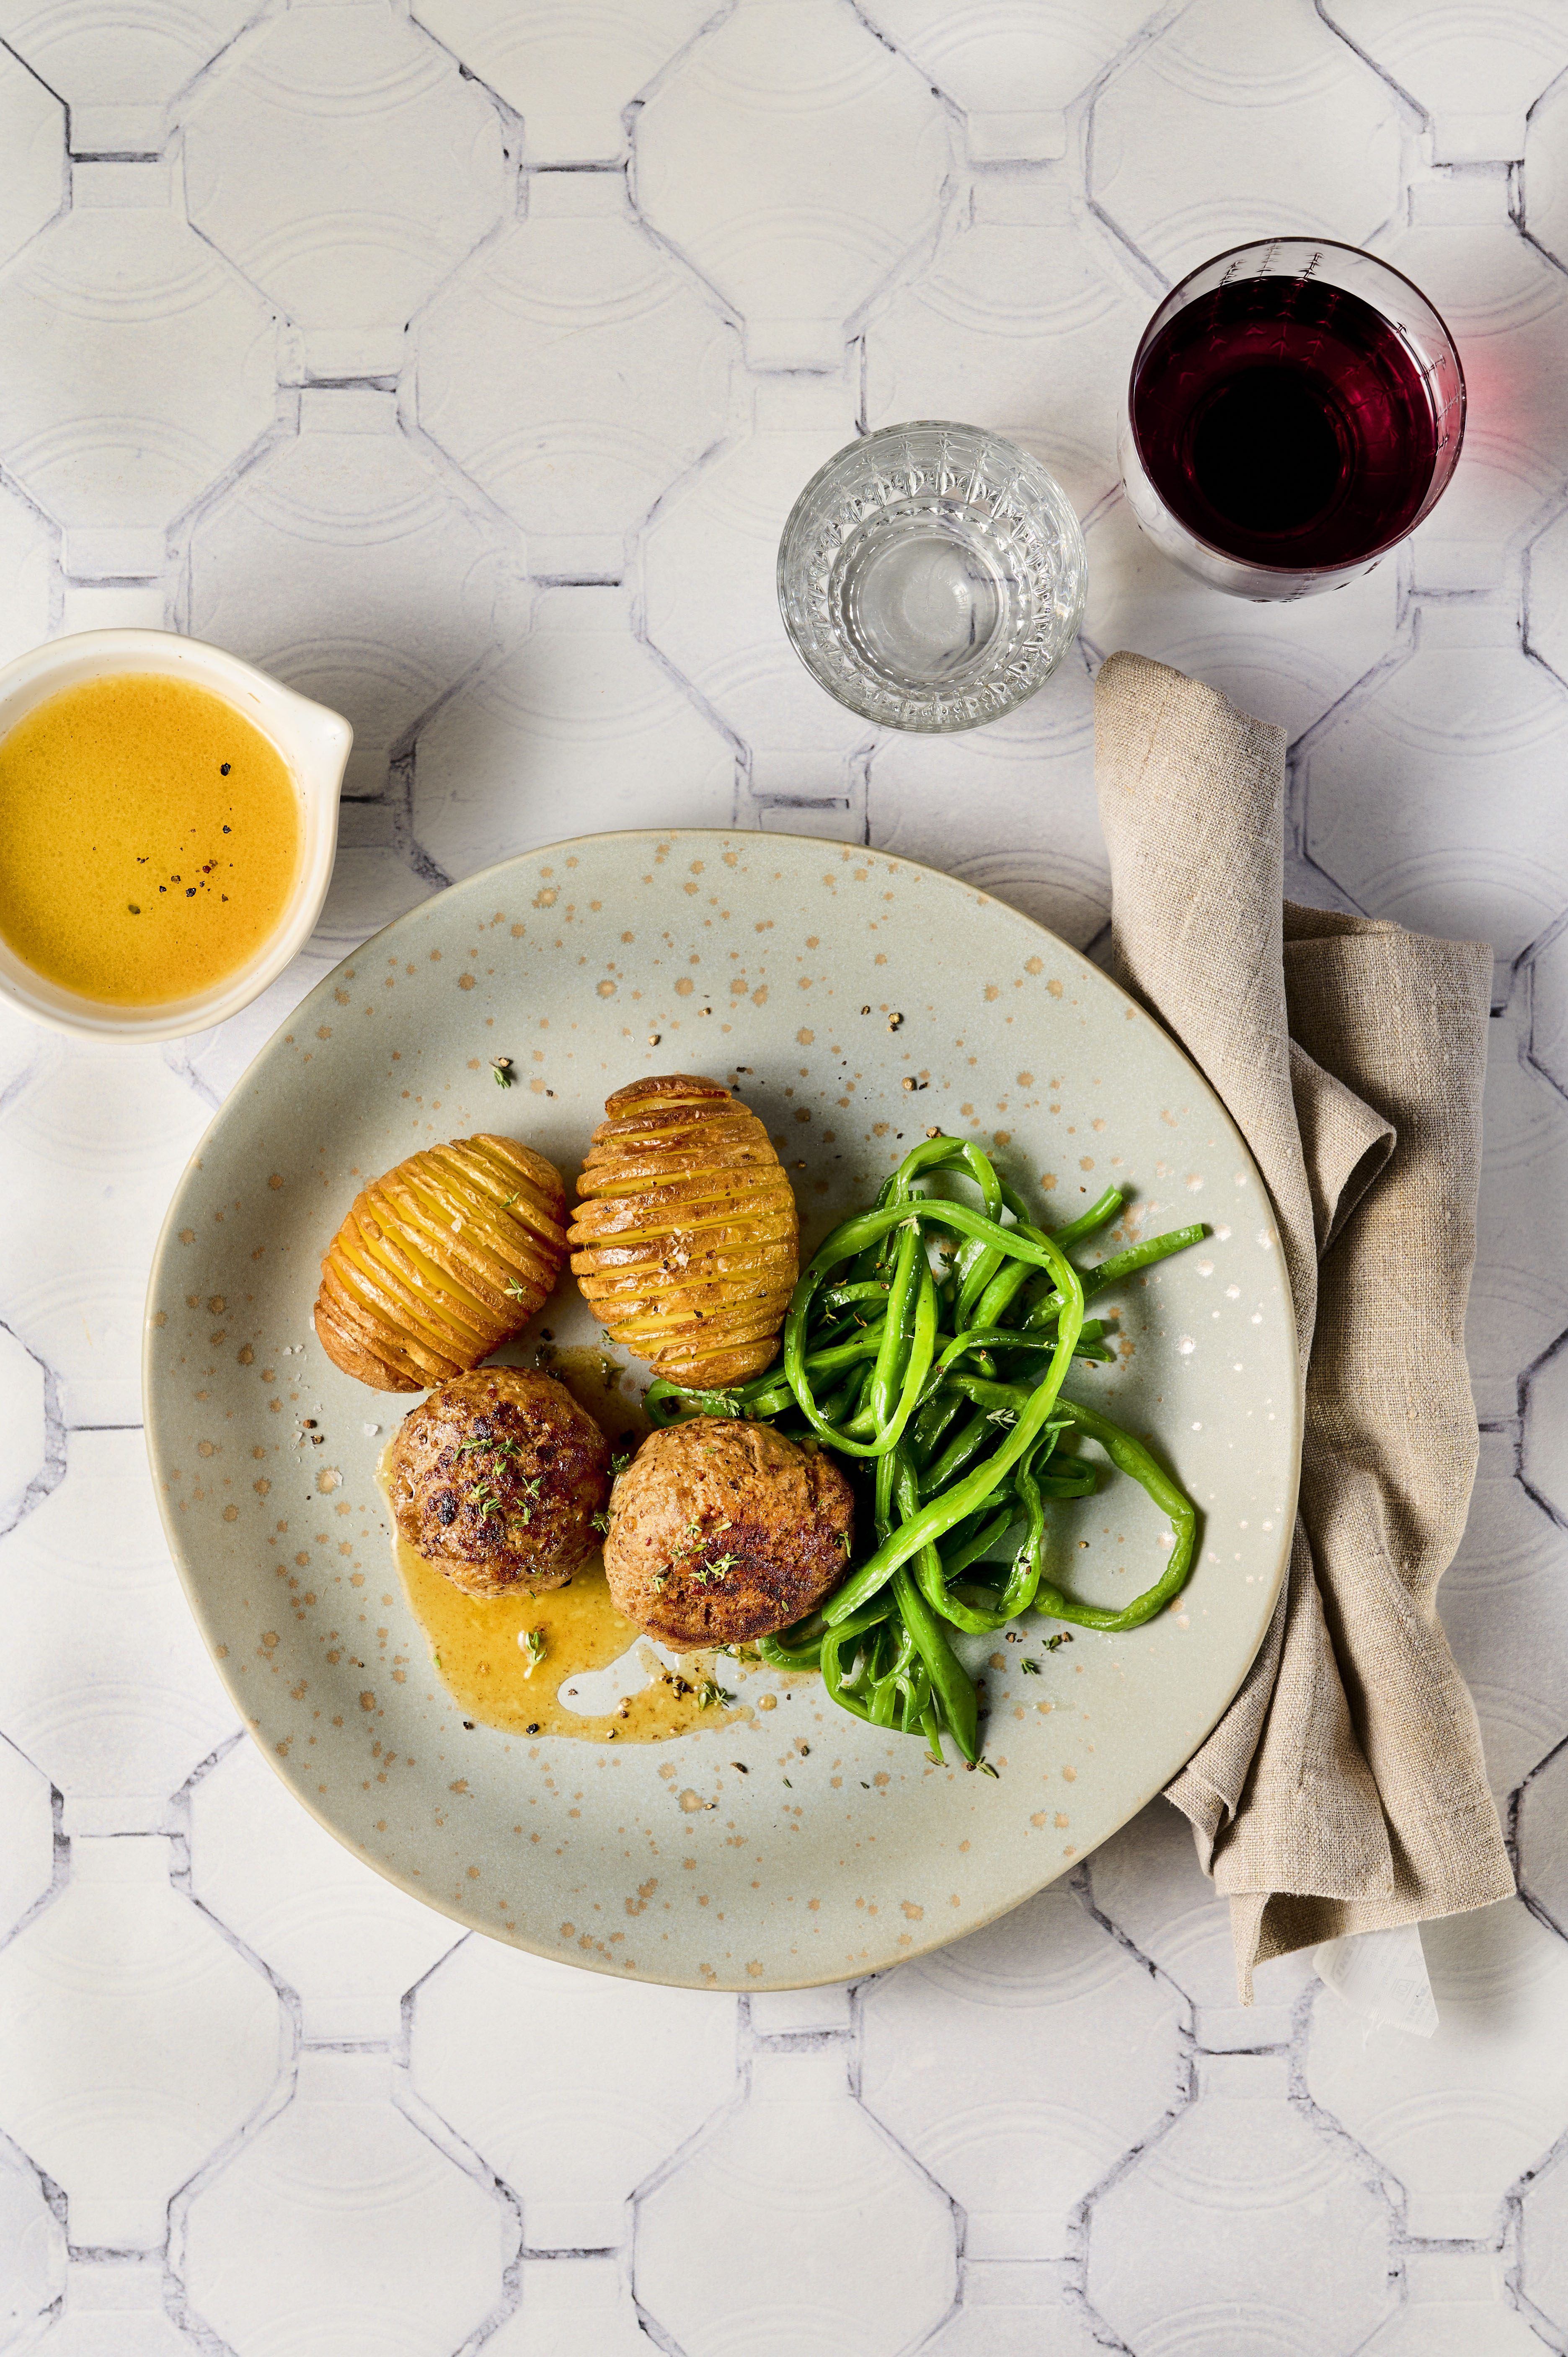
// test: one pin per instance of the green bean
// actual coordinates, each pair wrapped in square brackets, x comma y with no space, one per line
[988,1287]
[950,1682]
[931,1421]
[660,1394]
[999,1399]
[866,1344]
[975,1620]
[1032,1553]
[1018,1590]
[1124,1264]
[896,1674]
[839,1687]
[882,1692]
[974,1268]
[859,1422]
[930,1570]
[1023,1577]
[870,1260]
[1058,1483]
[941,1152]
[979,1339]
[849,1632]
[927,1378]
[843,1329]
[944,1511]
[980,1266]
[788,1648]
[993,1527]
[991,1283]
[960,1452]
[852,1235]
[960,1533]
[921,1345]
[888,1470]
[906,1678]
[840,1296]
[1002,1290]
[765,1395]
[977,1282]
[769,1403]
[1130,1456]
[915,1692]
[933,1576]
[1097,1216]
[889,1684]
[841,1407]
[893,1355]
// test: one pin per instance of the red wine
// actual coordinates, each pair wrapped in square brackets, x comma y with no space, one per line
[1285,422]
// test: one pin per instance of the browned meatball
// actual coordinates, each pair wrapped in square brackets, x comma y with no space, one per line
[496,1479]
[721,1531]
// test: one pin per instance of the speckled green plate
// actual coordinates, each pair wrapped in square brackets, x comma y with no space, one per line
[777,962]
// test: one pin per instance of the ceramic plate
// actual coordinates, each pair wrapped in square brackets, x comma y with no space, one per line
[780,965]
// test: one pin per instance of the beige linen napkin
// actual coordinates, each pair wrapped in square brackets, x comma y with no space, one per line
[1344,1790]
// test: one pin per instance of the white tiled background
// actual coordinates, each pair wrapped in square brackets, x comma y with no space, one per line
[460,367]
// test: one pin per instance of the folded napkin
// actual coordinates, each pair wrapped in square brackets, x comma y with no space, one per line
[1344,1789]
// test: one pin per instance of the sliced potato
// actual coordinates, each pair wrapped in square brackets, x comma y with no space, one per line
[441,1260]
[687,1243]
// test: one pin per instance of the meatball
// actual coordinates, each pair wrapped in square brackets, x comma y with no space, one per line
[720,1530]
[496,1479]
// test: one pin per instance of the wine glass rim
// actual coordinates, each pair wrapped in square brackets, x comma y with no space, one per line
[1041,481]
[1323,244]
[1163,312]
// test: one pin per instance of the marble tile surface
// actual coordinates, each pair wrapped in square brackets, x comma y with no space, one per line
[459,360]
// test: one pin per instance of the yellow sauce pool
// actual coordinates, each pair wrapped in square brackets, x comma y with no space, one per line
[150,836]
[475,1640]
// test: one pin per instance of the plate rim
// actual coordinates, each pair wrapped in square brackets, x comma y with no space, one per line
[719,1985]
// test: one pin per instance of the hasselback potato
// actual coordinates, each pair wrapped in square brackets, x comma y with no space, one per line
[687,1241]
[441,1260]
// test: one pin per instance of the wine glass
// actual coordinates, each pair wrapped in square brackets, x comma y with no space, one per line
[1295,408]
[932,575]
